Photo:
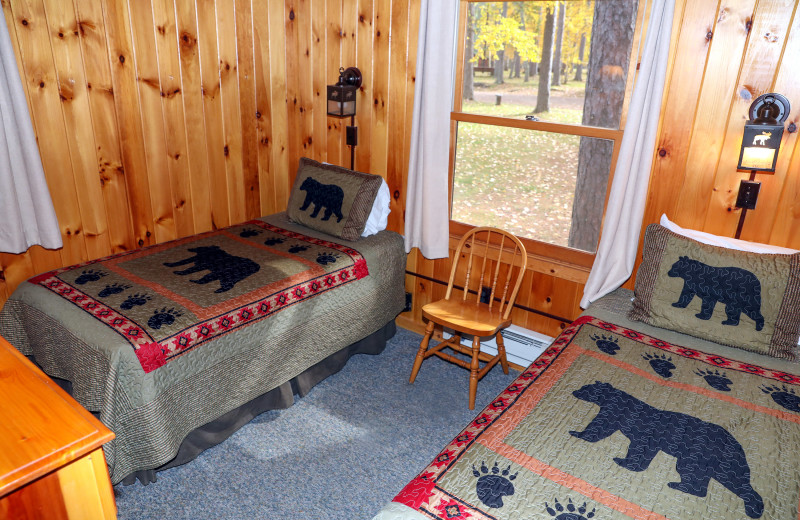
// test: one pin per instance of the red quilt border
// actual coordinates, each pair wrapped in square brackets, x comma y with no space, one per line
[419,490]
[155,354]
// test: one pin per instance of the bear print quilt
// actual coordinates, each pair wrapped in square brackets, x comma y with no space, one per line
[611,423]
[169,299]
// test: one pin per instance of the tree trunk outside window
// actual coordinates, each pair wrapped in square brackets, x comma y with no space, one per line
[559,43]
[612,35]
[469,73]
[581,53]
[498,66]
[545,66]
[526,65]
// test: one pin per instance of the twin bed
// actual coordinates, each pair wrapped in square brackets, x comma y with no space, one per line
[176,346]
[629,414]
[680,400]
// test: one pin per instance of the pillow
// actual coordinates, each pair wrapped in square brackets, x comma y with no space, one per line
[332,199]
[730,243]
[379,216]
[736,298]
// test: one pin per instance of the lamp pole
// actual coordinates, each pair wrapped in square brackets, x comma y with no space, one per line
[744,209]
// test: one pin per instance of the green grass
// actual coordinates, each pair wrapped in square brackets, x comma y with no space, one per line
[516,179]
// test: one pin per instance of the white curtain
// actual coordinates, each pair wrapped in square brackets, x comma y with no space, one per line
[27,216]
[616,253]
[427,212]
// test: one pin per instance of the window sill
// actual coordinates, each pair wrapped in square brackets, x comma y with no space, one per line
[560,262]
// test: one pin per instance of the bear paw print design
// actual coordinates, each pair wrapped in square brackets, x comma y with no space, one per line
[327,258]
[134,300]
[608,345]
[90,275]
[297,248]
[274,241]
[249,232]
[114,288]
[783,396]
[493,484]
[163,317]
[716,379]
[572,512]
[661,365]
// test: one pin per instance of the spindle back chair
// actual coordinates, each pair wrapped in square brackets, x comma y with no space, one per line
[485,277]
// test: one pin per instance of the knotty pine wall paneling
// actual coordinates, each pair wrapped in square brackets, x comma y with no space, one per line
[728,53]
[157,119]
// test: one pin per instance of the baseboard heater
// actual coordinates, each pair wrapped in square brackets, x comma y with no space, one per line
[523,346]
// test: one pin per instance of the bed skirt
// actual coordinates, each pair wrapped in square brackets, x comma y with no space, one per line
[216,431]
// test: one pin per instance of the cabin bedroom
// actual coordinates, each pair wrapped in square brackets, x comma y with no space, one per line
[400,259]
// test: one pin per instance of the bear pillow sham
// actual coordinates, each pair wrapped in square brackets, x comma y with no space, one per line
[741,299]
[332,199]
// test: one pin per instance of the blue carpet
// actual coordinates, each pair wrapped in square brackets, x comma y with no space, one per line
[341,452]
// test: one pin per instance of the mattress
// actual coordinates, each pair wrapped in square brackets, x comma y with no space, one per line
[618,419]
[160,341]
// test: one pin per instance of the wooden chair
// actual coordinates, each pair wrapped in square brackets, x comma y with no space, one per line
[487,260]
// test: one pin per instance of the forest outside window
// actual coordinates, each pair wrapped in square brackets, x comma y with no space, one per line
[544,89]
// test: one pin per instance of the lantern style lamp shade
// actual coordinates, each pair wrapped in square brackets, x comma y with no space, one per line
[341,100]
[762,133]
[342,95]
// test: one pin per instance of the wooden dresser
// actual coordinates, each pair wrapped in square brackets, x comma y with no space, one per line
[51,461]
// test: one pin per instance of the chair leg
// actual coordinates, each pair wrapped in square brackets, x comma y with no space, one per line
[423,346]
[473,371]
[501,351]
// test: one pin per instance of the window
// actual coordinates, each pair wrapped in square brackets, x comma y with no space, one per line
[537,126]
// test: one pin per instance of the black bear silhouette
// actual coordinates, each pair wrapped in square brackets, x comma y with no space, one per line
[737,288]
[329,196]
[114,288]
[226,268]
[135,299]
[784,397]
[89,275]
[492,487]
[662,365]
[163,317]
[703,450]
[608,345]
[573,513]
[716,379]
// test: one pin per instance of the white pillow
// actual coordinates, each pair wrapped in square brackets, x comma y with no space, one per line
[379,216]
[729,243]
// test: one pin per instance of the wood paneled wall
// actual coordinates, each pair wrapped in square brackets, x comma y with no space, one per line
[158,119]
[161,118]
[728,52]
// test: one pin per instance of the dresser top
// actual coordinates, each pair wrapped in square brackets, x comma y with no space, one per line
[41,427]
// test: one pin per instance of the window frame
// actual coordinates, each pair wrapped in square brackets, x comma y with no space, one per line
[566,262]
